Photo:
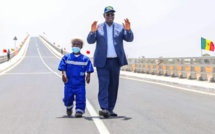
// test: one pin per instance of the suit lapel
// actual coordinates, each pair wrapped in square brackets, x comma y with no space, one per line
[105,33]
[116,31]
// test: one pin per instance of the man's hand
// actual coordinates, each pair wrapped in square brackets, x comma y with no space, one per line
[127,24]
[88,78]
[64,78]
[94,27]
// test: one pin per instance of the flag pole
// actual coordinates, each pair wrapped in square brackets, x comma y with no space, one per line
[201,46]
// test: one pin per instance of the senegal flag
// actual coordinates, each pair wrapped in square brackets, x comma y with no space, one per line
[207,44]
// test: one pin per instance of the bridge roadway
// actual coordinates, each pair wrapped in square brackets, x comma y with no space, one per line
[31,103]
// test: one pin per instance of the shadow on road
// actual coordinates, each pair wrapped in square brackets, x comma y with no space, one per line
[90,118]
[118,117]
[65,116]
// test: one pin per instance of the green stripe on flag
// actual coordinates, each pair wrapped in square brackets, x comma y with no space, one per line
[203,43]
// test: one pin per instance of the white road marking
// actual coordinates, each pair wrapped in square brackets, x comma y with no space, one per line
[50,57]
[181,88]
[48,47]
[98,122]
[46,64]
[30,73]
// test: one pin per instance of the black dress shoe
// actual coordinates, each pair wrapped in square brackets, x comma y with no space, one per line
[105,113]
[112,113]
[69,112]
[78,114]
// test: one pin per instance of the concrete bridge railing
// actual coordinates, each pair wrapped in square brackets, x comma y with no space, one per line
[193,68]
[3,58]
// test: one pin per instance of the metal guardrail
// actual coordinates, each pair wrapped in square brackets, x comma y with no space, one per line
[193,68]
[4,58]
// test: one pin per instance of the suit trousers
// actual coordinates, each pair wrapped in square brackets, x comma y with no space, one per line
[108,77]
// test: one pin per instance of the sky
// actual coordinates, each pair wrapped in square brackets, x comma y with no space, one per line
[167,28]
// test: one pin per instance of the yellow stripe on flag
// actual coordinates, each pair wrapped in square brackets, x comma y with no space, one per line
[207,47]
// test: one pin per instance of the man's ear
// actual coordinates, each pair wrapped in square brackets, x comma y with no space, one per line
[103,15]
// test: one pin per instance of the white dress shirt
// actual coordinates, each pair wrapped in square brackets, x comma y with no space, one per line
[111,52]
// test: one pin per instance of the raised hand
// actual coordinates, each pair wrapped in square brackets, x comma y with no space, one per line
[94,27]
[127,24]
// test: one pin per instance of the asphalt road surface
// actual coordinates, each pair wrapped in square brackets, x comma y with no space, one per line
[31,103]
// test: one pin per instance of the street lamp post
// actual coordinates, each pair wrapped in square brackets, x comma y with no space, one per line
[15,39]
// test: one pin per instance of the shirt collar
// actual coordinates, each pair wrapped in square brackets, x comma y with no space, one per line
[108,25]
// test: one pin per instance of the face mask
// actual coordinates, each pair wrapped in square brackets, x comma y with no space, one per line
[76,49]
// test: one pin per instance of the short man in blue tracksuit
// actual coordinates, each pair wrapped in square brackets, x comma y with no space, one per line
[73,67]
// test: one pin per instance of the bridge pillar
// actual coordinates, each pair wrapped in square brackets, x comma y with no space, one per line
[175,69]
[138,66]
[135,66]
[183,70]
[149,70]
[192,71]
[160,67]
[167,73]
[141,64]
[144,66]
[213,72]
[129,66]
[213,75]
[203,76]
[154,69]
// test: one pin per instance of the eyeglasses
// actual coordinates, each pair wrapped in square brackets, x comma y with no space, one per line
[109,14]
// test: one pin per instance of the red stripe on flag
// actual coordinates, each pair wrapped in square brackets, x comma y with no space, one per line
[211,46]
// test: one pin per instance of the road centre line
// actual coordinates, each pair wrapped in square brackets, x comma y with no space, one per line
[29,73]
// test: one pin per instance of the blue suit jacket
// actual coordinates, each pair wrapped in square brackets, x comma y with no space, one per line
[100,37]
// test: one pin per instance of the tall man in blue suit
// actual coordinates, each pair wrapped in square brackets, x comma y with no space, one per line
[109,56]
